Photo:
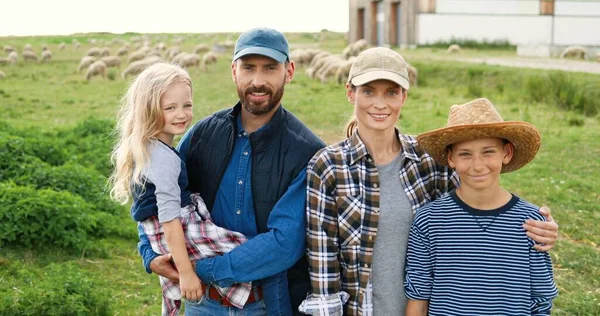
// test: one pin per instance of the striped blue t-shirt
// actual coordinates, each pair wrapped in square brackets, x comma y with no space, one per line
[472,262]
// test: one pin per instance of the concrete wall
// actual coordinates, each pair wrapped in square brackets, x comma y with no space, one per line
[528,30]
[510,7]
[515,29]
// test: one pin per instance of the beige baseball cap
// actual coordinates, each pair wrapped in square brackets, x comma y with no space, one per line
[379,63]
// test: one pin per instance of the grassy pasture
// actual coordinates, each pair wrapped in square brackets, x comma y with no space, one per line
[53,97]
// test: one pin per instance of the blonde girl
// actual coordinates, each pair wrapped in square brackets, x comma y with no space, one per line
[156,107]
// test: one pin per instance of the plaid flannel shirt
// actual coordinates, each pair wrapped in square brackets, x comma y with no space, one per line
[203,239]
[343,213]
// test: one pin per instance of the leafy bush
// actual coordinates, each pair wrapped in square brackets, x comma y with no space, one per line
[74,178]
[90,143]
[36,219]
[63,289]
[14,149]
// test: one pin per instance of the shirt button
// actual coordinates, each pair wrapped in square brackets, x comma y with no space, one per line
[245,153]
[238,212]
[240,182]
[361,292]
[375,185]
[371,238]
[369,160]
[366,265]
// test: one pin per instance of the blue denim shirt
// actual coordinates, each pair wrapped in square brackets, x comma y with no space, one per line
[263,255]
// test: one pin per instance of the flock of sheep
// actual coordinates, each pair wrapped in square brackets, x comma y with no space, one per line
[97,60]
[324,65]
[319,64]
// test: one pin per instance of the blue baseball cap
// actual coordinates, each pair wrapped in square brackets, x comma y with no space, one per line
[262,41]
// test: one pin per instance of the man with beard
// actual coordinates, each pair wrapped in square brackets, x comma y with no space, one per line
[249,165]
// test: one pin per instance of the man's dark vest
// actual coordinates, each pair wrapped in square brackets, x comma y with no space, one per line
[280,150]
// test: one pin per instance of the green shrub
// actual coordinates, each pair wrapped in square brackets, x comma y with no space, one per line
[63,289]
[90,143]
[85,182]
[36,219]
[16,148]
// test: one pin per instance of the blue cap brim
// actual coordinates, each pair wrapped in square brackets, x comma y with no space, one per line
[264,51]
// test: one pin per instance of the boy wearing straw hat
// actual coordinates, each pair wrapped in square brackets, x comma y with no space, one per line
[467,252]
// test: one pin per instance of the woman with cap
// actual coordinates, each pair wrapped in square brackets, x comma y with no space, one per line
[362,193]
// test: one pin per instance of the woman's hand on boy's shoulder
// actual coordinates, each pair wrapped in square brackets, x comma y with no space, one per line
[544,233]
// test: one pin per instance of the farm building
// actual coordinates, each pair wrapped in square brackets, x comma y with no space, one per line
[538,25]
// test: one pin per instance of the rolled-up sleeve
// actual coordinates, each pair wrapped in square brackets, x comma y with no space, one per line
[322,242]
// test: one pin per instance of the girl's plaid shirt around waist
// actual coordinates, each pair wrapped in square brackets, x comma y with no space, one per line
[343,213]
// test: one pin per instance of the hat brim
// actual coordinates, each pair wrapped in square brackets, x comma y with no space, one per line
[380,75]
[264,51]
[524,136]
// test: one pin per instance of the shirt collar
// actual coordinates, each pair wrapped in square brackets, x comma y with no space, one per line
[358,149]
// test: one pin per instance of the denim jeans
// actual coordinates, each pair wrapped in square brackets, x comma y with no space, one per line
[207,306]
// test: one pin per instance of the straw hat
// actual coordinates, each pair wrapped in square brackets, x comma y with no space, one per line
[479,119]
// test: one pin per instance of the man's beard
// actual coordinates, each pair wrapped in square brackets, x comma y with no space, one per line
[256,109]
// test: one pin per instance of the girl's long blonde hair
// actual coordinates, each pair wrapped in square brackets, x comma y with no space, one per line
[139,120]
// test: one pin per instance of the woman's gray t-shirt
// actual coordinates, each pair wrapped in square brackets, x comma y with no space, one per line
[389,253]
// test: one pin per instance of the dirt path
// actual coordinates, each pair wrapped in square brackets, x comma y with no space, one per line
[538,63]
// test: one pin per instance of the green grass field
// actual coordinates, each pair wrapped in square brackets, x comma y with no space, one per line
[45,98]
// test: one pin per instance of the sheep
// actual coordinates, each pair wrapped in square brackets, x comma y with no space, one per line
[597,56]
[137,67]
[123,51]
[209,58]
[27,47]
[9,49]
[201,48]
[358,47]
[44,47]
[454,48]
[2,75]
[316,69]
[177,59]
[135,56]
[172,52]
[317,57]
[330,69]
[111,61]
[95,69]
[303,57]
[413,75]
[29,55]
[190,60]
[573,51]
[161,46]
[14,57]
[85,62]
[105,51]
[76,45]
[94,51]
[347,52]
[153,52]
[62,46]
[341,76]
[4,61]
[46,55]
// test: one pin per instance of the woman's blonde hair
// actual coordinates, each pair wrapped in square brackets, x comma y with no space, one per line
[139,120]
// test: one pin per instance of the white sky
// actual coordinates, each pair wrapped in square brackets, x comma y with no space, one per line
[62,17]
